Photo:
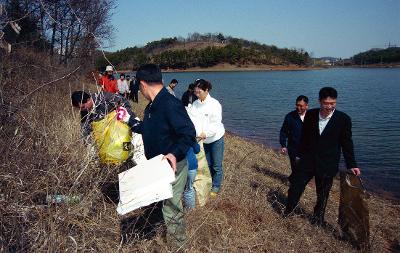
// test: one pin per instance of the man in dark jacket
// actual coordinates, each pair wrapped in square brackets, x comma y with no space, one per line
[326,132]
[134,88]
[291,130]
[166,129]
[95,106]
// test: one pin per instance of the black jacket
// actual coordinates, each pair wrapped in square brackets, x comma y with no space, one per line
[321,153]
[188,98]
[166,127]
[291,130]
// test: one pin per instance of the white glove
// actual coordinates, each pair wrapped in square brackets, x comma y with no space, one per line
[122,114]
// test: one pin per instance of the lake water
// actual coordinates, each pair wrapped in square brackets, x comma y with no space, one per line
[255,103]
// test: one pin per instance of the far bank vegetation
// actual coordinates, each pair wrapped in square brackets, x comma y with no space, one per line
[204,50]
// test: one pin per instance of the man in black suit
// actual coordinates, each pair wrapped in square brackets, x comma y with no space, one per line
[326,132]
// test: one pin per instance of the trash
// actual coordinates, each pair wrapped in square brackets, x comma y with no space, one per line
[138,148]
[58,199]
[202,182]
[146,183]
[113,139]
[353,211]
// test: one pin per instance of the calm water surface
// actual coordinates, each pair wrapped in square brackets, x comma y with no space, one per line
[255,103]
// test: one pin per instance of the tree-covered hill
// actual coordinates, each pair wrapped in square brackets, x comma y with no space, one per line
[203,51]
[377,56]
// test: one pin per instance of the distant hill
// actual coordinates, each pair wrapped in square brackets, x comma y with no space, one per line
[378,56]
[204,50]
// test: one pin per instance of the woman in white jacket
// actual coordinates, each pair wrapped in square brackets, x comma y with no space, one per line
[210,129]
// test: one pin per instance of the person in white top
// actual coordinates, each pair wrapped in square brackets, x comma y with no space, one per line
[209,128]
[123,87]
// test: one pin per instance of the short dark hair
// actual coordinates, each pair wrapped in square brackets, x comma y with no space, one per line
[327,92]
[79,97]
[203,84]
[122,74]
[302,98]
[150,73]
[174,81]
[191,86]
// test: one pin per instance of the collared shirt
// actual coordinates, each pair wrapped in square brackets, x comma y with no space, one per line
[324,121]
[122,86]
[171,91]
[207,118]
[166,127]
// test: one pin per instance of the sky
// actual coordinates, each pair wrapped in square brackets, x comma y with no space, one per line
[337,28]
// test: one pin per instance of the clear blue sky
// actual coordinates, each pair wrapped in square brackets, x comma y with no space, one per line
[338,28]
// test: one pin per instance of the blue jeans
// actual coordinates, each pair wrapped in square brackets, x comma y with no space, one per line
[214,155]
[191,159]
[189,195]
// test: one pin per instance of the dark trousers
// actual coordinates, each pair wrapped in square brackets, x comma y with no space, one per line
[299,182]
[293,165]
[134,96]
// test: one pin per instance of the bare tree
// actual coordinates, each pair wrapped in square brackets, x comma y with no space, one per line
[73,29]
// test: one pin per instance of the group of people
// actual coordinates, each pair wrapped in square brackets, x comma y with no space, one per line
[168,129]
[124,86]
[314,140]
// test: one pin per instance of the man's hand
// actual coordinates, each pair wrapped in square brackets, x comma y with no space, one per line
[172,160]
[284,150]
[122,114]
[202,136]
[356,171]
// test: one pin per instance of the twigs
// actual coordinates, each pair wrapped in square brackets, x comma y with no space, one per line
[45,84]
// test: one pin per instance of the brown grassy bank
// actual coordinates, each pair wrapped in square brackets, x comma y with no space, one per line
[41,153]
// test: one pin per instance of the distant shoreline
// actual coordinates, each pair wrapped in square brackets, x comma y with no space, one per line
[235,68]
[250,67]
[224,67]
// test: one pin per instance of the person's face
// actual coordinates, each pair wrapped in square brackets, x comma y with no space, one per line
[86,106]
[301,107]
[200,93]
[122,77]
[143,87]
[327,105]
[173,85]
[109,73]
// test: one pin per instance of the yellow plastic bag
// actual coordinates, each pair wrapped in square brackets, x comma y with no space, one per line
[202,182]
[113,139]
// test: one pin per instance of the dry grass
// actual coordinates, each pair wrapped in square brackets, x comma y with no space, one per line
[41,153]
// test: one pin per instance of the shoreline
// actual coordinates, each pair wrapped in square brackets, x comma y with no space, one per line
[224,67]
[251,67]
[371,188]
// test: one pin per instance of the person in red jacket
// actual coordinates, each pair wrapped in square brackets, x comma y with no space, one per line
[108,82]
